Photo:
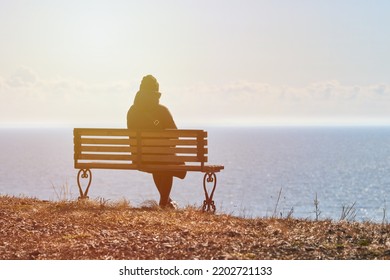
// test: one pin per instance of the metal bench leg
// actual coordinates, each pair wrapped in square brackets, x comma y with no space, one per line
[208,203]
[84,174]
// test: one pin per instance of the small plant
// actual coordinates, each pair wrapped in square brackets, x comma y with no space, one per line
[290,213]
[317,211]
[103,203]
[277,204]
[63,193]
[384,218]
[281,212]
[364,242]
[348,213]
[122,204]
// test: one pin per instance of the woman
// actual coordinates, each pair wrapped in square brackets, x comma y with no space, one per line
[148,113]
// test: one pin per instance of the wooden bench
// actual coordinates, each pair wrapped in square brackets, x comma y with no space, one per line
[145,150]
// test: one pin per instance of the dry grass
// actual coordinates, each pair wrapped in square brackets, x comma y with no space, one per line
[34,229]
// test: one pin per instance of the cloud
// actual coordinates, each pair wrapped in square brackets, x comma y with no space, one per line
[25,81]
[326,90]
[381,90]
[71,100]
[263,101]
[2,83]
[23,77]
[25,96]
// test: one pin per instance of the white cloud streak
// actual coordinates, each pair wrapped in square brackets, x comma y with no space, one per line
[25,97]
[262,103]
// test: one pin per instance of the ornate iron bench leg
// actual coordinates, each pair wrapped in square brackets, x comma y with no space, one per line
[84,174]
[208,203]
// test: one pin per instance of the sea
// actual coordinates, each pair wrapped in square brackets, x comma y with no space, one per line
[337,173]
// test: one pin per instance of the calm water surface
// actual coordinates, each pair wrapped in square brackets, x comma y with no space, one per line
[342,166]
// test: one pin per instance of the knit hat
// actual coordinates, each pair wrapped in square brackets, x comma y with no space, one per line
[149,83]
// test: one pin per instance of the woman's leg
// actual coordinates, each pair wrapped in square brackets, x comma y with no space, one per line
[164,185]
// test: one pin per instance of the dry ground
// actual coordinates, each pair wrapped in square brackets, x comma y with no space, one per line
[34,229]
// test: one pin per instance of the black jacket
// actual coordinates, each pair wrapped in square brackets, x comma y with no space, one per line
[147,113]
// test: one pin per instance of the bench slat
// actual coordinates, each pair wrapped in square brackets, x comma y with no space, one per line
[100,165]
[212,168]
[206,168]
[172,168]
[107,141]
[147,158]
[174,133]
[172,142]
[171,158]
[172,150]
[108,149]
[147,150]
[104,132]
[133,133]
[106,157]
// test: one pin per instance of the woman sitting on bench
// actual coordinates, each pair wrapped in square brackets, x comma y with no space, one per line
[148,113]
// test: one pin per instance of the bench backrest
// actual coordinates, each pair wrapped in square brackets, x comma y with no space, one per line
[142,150]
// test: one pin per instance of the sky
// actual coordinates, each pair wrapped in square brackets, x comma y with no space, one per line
[218,62]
